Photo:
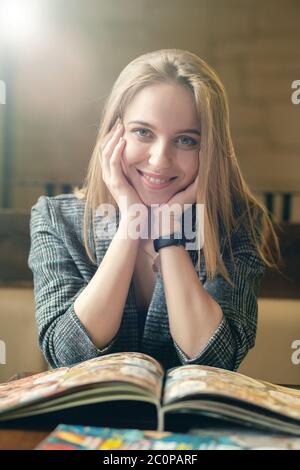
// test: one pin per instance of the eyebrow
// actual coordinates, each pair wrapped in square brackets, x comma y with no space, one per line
[144,123]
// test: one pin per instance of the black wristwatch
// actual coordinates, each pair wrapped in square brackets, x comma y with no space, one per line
[168,240]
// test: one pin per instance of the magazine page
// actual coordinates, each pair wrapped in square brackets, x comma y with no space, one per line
[187,381]
[250,438]
[129,369]
[66,437]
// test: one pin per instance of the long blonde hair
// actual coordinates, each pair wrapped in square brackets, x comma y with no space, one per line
[229,203]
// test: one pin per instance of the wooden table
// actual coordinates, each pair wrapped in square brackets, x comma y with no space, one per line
[16,439]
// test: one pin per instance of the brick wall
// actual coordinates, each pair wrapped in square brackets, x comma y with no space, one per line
[60,82]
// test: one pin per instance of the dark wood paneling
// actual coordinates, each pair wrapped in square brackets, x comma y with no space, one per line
[286,284]
[14,246]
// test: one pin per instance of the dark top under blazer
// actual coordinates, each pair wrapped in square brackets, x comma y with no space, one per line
[62,269]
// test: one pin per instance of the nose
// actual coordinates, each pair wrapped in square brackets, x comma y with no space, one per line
[160,158]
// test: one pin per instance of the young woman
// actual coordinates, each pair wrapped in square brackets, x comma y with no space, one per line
[164,140]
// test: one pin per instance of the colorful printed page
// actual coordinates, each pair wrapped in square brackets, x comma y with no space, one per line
[131,369]
[251,439]
[66,437]
[187,381]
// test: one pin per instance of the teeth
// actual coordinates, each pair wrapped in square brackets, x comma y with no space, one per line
[155,180]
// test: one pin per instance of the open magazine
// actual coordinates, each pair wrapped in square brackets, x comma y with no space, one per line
[131,390]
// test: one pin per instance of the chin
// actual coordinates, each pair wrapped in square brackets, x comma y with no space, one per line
[150,200]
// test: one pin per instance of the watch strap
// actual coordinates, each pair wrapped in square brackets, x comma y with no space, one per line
[173,239]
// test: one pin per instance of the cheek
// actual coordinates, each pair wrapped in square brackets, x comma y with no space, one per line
[191,168]
[133,152]
[131,157]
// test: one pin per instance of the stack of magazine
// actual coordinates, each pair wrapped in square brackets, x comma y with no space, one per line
[131,390]
[68,437]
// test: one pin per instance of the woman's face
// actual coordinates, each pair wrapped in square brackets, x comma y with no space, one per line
[165,141]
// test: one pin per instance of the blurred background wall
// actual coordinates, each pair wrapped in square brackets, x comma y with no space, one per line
[58,79]
[61,78]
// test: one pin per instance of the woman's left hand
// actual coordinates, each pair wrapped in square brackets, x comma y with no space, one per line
[177,204]
[187,196]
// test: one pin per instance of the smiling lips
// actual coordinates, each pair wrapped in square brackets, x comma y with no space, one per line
[154,182]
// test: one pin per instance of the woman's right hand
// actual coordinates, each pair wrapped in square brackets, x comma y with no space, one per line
[113,175]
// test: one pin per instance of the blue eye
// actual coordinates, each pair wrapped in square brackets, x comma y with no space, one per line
[139,130]
[143,132]
[191,141]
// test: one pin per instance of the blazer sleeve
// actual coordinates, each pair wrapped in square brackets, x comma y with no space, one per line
[63,338]
[237,331]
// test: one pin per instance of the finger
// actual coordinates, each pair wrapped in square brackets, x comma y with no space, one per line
[106,154]
[186,196]
[108,136]
[115,160]
[112,130]
[109,148]
[104,161]
[113,127]
[191,192]
[123,168]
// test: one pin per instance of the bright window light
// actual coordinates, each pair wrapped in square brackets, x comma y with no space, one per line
[19,20]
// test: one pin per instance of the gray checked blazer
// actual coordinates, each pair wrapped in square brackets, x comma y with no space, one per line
[61,270]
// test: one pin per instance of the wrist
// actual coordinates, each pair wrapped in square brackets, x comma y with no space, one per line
[166,225]
[134,227]
[174,239]
[175,227]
